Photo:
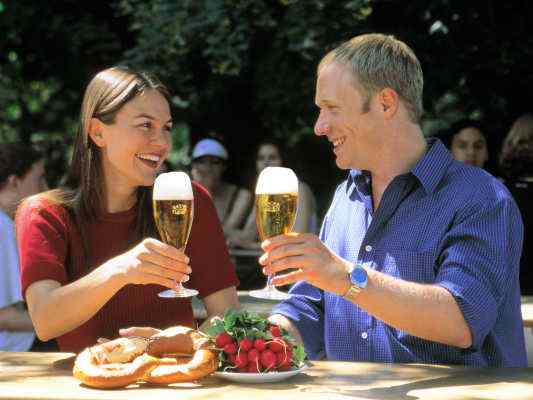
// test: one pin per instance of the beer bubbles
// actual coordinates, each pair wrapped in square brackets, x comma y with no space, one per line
[276,200]
[173,204]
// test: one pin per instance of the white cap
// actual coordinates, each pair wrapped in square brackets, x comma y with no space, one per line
[209,147]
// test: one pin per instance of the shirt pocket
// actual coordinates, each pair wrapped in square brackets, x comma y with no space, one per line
[413,266]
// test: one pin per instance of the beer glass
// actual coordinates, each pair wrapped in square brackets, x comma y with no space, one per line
[276,200]
[173,214]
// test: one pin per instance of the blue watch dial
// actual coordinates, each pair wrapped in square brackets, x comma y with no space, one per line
[359,276]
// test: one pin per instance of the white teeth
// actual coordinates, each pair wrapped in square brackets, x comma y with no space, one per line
[338,142]
[150,157]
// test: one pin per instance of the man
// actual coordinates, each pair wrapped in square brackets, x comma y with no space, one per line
[21,175]
[418,254]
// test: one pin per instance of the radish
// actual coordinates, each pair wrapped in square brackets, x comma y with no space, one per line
[253,356]
[241,360]
[277,345]
[222,339]
[246,344]
[268,359]
[259,345]
[275,331]
[230,348]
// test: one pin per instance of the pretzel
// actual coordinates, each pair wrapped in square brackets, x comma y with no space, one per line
[177,354]
[180,340]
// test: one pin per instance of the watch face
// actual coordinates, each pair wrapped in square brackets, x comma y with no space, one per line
[359,277]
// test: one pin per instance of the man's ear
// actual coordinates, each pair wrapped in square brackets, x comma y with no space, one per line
[95,132]
[388,102]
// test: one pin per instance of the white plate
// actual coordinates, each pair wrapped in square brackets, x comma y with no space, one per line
[243,377]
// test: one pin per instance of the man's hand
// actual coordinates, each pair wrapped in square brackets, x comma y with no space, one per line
[315,263]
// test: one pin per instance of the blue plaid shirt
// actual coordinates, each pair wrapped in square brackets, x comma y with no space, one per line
[443,223]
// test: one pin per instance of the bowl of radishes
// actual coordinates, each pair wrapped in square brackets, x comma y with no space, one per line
[253,350]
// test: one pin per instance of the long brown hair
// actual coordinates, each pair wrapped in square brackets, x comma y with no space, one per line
[84,196]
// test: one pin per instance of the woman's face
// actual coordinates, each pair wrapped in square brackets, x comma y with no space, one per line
[208,170]
[469,146]
[268,156]
[135,145]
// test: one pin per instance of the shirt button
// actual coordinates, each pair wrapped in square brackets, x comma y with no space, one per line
[368,248]
[364,335]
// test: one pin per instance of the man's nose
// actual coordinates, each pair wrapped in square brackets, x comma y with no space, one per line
[321,127]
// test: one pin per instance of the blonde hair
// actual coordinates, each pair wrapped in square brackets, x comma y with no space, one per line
[380,61]
[516,158]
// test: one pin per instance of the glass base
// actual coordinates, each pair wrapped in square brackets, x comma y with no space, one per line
[178,292]
[269,293]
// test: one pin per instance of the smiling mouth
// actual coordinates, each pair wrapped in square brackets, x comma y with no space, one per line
[150,160]
[338,142]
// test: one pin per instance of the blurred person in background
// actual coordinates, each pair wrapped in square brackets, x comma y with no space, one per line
[209,159]
[271,153]
[468,143]
[516,167]
[21,175]
[92,262]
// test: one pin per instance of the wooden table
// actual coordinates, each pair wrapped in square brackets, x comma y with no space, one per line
[48,376]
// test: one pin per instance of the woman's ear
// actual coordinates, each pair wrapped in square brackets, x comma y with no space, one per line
[95,132]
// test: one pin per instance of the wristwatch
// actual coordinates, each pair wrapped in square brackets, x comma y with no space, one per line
[358,281]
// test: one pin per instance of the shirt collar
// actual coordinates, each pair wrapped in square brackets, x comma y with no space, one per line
[429,170]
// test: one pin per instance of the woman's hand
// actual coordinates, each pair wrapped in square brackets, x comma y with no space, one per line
[151,262]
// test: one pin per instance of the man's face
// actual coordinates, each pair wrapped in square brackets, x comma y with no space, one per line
[352,126]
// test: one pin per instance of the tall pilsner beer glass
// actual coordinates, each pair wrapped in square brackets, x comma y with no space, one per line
[276,199]
[173,214]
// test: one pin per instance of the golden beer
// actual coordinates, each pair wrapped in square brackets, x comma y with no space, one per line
[275,213]
[173,219]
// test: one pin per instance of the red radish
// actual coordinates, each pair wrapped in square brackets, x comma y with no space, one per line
[230,348]
[268,359]
[275,330]
[259,345]
[232,358]
[253,356]
[277,345]
[246,344]
[283,358]
[284,367]
[222,339]
[241,360]
[253,368]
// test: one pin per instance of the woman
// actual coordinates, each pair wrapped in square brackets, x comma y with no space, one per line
[270,154]
[90,257]
[233,203]
[516,164]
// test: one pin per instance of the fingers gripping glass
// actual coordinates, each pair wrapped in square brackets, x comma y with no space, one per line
[173,213]
[276,199]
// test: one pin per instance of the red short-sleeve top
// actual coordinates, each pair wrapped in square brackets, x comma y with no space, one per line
[50,248]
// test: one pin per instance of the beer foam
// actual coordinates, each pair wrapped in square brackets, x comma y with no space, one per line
[277,180]
[174,185]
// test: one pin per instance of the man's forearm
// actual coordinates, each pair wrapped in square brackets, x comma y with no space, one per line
[426,311]
[13,318]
